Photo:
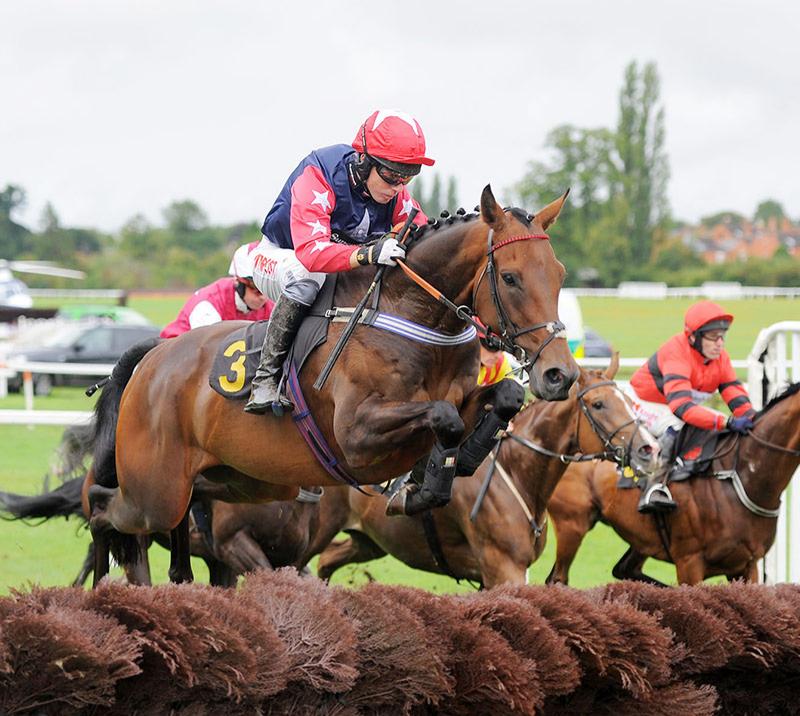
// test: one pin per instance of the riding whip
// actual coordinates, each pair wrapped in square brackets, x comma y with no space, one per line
[355,317]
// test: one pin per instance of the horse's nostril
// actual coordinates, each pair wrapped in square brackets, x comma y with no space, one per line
[646,450]
[554,377]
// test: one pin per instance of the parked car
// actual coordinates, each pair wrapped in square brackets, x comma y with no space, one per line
[78,343]
[594,345]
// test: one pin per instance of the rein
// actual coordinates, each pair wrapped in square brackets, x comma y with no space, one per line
[736,480]
[505,339]
[619,453]
[773,446]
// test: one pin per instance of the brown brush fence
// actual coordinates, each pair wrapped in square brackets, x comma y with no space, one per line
[281,644]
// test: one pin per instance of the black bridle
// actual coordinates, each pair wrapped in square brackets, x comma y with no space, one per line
[507,332]
[618,453]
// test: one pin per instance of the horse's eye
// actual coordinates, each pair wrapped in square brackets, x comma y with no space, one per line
[508,279]
[597,405]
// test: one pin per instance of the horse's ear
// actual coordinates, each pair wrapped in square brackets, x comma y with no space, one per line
[491,211]
[613,367]
[547,216]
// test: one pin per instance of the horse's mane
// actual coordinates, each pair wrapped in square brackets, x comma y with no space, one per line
[788,393]
[446,219]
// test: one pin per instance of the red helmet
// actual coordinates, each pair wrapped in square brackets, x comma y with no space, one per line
[394,139]
[706,315]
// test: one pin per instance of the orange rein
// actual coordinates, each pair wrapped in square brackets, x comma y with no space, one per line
[421,282]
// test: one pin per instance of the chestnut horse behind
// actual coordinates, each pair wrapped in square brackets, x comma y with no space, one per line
[508,533]
[712,532]
[388,402]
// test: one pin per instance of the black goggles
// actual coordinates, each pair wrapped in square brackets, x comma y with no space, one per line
[392,178]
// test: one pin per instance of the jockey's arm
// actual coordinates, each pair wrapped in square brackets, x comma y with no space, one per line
[678,392]
[204,314]
[313,201]
[732,390]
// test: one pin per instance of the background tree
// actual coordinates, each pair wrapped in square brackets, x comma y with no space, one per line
[644,171]
[617,209]
[15,239]
[723,217]
[435,201]
[769,209]
[581,162]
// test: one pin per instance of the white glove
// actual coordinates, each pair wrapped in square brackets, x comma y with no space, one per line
[387,250]
[383,251]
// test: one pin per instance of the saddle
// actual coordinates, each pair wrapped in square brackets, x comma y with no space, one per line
[693,453]
[239,352]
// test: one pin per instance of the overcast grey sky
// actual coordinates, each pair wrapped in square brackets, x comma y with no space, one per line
[109,107]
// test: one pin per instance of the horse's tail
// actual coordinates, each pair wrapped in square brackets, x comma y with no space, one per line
[64,501]
[106,412]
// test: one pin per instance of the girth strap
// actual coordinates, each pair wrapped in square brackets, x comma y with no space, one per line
[741,493]
[403,327]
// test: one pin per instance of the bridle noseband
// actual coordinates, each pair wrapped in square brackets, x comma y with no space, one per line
[618,453]
[508,332]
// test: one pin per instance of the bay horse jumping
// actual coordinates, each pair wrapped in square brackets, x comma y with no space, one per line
[509,530]
[725,521]
[389,402]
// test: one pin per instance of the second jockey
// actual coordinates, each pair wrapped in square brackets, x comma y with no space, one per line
[233,298]
[670,388]
[335,213]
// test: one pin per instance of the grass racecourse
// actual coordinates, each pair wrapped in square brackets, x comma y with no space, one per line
[51,554]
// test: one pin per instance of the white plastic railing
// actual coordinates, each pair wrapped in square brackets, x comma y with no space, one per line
[773,364]
[27,368]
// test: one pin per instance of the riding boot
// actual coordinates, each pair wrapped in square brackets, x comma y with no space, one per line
[436,488]
[666,444]
[286,317]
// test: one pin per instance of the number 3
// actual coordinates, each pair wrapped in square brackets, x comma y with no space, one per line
[236,367]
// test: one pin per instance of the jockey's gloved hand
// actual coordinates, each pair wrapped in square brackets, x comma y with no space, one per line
[743,424]
[383,251]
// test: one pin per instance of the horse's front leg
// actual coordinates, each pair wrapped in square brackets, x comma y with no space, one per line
[489,409]
[385,428]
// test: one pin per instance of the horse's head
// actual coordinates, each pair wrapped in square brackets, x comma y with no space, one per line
[606,418]
[517,297]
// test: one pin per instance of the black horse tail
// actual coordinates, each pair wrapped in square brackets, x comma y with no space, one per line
[106,412]
[64,501]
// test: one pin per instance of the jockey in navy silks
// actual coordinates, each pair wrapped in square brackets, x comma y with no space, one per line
[335,213]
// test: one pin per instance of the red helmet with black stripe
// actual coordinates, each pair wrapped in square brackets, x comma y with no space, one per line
[394,139]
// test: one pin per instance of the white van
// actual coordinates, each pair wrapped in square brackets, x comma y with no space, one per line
[569,311]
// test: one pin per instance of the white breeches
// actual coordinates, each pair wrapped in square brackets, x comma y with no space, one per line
[277,271]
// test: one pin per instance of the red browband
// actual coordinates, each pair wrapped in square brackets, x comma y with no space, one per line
[524,237]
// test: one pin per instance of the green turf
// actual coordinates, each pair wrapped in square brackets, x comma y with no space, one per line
[51,554]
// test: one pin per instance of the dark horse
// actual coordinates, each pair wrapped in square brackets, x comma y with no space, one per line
[507,534]
[713,531]
[388,403]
